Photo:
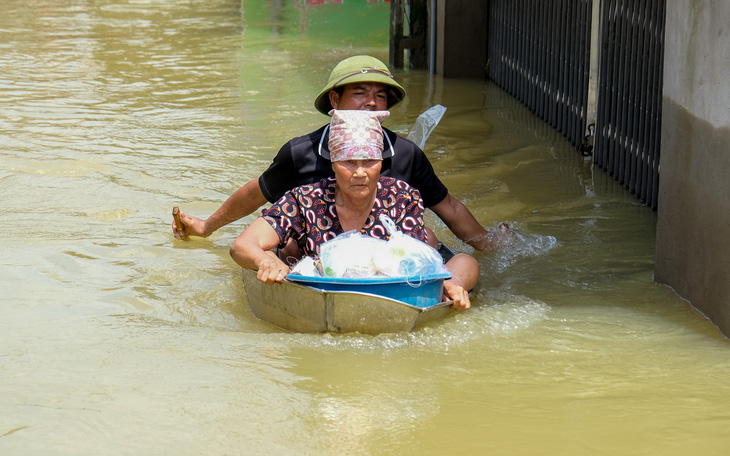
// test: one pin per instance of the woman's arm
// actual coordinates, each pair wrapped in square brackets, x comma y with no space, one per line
[251,250]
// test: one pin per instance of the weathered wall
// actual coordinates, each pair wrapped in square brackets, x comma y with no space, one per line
[693,232]
[461,42]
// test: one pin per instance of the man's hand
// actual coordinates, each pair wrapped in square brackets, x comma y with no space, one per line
[494,240]
[191,226]
[243,202]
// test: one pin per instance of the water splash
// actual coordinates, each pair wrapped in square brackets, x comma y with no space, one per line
[521,245]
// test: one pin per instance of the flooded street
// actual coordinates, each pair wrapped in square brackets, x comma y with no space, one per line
[117,339]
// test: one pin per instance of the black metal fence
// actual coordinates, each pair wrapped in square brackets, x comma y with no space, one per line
[629,106]
[540,52]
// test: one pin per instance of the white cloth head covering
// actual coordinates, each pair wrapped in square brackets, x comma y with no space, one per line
[356,135]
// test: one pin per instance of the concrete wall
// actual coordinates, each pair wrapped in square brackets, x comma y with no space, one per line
[693,232]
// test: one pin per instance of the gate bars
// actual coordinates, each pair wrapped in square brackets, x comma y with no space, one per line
[628,123]
[540,53]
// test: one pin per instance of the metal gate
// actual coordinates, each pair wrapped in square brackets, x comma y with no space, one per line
[628,123]
[593,70]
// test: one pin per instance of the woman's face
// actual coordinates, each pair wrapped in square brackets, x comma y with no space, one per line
[357,177]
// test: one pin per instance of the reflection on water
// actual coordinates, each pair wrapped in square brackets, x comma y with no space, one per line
[116,339]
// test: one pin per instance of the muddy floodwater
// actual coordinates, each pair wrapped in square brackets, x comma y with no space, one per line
[116,339]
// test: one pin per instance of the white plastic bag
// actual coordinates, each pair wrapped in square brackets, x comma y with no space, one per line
[350,255]
[425,124]
[416,258]
[354,254]
[307,266]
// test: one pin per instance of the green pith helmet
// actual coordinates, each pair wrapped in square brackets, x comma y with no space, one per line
[359,68]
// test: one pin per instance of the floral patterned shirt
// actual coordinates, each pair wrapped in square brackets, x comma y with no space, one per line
[308,213]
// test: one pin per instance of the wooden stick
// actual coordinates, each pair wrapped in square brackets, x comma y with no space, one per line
[178,222]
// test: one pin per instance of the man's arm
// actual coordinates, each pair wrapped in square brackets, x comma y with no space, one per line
[463,224]
[243,202]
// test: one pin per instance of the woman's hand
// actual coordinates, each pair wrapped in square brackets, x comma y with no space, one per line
[456,293]
[251,250]
[272,269]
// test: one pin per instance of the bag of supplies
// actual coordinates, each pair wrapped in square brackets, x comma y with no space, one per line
[356,255]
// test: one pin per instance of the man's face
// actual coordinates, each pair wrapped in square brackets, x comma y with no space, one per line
[365,96]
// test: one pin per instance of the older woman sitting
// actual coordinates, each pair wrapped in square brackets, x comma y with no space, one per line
[352,200]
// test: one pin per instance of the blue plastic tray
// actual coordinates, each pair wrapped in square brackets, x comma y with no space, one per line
[419,291]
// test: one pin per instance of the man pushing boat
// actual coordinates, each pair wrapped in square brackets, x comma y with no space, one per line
[355,199]
[356,83]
